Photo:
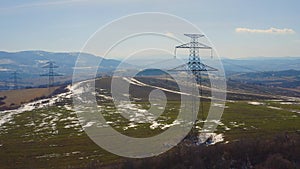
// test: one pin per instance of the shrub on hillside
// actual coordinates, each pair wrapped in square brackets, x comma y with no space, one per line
[281,152]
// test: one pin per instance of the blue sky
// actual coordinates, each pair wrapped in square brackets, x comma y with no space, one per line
[237,28]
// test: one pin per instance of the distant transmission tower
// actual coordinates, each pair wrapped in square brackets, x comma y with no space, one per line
[6,85]
[51,74]
[15,76]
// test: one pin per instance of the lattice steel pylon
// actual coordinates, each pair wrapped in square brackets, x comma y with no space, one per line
[195,64]
[51,74]
[15,76]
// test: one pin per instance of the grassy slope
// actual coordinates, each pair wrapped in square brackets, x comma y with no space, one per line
[40,139]
[51,145]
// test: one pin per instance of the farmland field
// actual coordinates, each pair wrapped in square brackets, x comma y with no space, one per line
[49,135]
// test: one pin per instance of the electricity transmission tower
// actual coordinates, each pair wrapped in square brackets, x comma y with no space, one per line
[195,65]
[15,76]
[51,73]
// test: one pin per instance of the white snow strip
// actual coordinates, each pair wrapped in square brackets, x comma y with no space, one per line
[295,111]
[288,103]
[131,81]
[72,125]
[89,124]
[155,125]
[105,97]
[170,125]
[220,105]
[131,125]
[6,116]
[275,108]
[256,103]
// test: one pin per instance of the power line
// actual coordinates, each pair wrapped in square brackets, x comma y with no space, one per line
[51,73]
[15,76]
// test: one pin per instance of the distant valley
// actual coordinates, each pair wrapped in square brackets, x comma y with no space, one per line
[28,65]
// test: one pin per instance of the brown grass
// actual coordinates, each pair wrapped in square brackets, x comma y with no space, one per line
[14,98]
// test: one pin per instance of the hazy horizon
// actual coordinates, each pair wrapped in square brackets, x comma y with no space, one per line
[237,29]
[222,57]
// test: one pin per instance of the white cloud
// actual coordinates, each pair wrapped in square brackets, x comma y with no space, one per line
[266,31]
[170,34]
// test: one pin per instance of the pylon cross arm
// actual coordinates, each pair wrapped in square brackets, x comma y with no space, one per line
[194,45]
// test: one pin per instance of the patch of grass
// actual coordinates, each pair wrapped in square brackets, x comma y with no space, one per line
[257,121]
[40,138]
[25,147]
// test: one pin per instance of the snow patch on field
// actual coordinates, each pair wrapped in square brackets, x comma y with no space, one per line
[275,108]
[236,124]
[220,105]
[256,103]
[89,124]
[6,116]
[295,111]
[162,126]
[210,138]
[286,103]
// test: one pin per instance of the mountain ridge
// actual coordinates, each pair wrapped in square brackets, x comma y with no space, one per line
[29,65]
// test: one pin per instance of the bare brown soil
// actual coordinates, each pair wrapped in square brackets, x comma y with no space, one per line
[14,98]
